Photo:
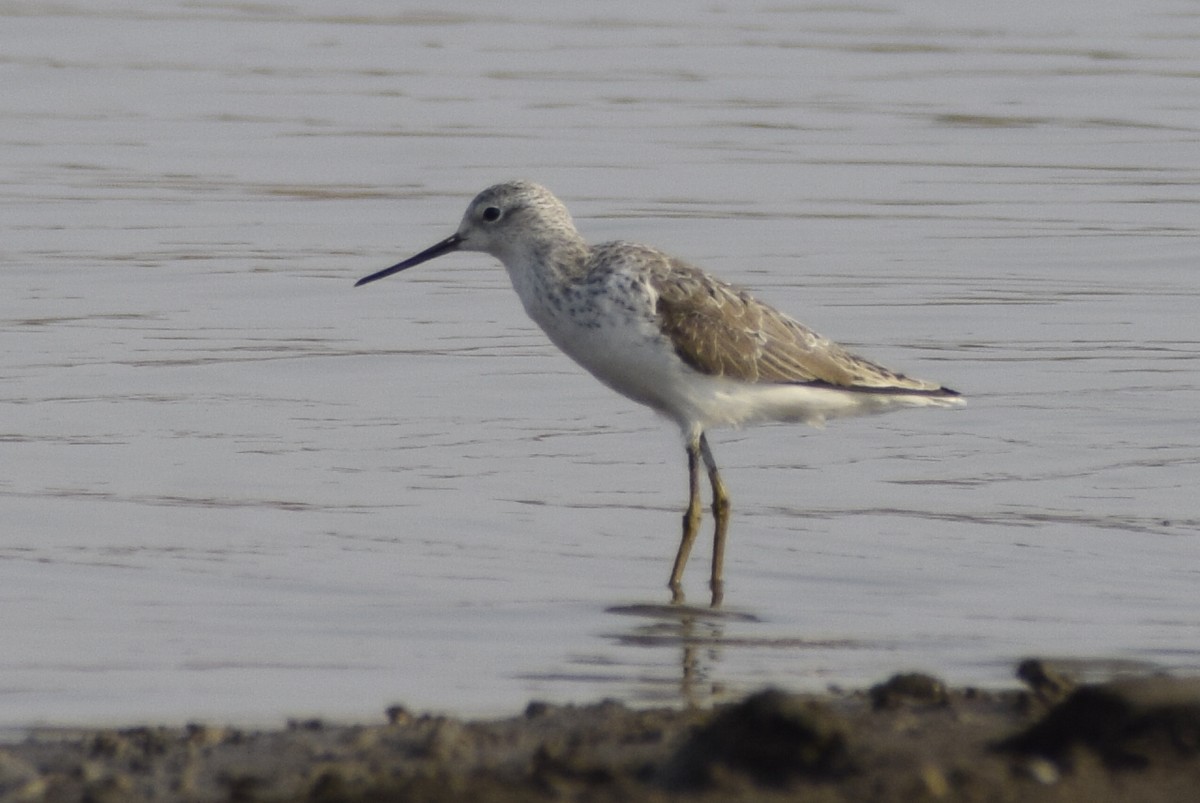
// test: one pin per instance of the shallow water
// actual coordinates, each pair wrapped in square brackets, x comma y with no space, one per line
[236,488]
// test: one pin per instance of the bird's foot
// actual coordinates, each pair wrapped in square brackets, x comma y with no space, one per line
[677,597]
[718,593]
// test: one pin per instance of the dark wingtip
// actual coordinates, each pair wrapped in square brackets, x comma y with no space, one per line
[890,390]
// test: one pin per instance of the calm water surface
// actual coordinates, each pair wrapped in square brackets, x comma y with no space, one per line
[232,487]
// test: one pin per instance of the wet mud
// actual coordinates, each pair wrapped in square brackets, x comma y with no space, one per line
[910,738]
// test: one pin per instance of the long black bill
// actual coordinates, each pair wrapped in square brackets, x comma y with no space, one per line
[447,245]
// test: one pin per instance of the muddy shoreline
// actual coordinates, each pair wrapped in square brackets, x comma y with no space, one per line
[909,738]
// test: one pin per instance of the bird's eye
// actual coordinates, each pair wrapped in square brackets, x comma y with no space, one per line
[491,214]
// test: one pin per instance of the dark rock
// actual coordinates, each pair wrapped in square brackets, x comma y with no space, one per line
[1048,684]
[305,724]
[537,708]
[397,715]
[771,737]
[910,687]
[1128,724]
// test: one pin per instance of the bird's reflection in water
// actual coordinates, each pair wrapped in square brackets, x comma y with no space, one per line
[700,636]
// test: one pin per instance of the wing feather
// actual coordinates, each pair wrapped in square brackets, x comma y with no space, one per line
[721,330]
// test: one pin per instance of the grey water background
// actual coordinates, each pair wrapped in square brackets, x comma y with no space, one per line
[234,488]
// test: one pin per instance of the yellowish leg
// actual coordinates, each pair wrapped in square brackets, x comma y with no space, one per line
[691,521]
[720,508]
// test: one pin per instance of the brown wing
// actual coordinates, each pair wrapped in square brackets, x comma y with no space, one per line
[721,330]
